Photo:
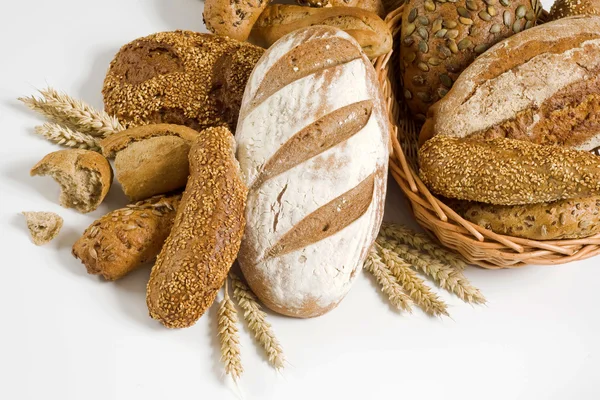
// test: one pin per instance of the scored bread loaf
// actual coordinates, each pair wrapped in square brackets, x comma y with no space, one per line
[313,145]
[367,28]
[507,171]
[542,86]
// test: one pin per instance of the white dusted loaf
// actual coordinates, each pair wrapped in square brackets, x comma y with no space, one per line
[313,145]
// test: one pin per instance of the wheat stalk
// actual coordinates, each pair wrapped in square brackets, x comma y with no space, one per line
[421,242]
[257,323]
[73,113]
[67,137]
[416,288]
[229,338]
[389,286]
[445,276]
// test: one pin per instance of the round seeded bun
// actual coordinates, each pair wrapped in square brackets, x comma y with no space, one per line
[184,78]
[568,8]
[440,39]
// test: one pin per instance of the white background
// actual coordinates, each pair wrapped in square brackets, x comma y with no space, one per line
[70,336]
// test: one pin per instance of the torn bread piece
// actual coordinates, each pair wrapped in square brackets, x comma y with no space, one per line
[43,226]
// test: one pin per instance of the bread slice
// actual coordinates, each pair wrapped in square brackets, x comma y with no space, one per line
[43,226]
[84,177]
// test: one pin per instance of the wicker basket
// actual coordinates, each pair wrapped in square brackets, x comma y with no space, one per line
[478,245]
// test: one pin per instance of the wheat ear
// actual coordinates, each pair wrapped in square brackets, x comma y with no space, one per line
[73,113]
[257,323]
[67,137]
[389,286]
[445,276]
[416,288]
[422,242]
[229,337]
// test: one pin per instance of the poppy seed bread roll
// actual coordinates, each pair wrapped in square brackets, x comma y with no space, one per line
[506,171]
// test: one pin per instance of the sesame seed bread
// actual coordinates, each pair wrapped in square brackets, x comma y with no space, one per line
[84,177]
[150,159]
[125,239]
[542,85]
[440,39]
[367,28]
[507,171]
[206,235]
[568,8]
[563,219]
[182,77]
[232,18]
[43,226]
[313,146]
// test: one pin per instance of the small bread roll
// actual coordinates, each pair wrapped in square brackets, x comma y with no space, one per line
[84,176]
[232,18]
[206,236]
[568,8]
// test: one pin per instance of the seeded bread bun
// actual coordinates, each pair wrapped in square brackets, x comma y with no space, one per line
[374,6]
[563,219]
[232,18]
[206,235]
[568,8]
[181,77]
[84,177]
[507,171]
[367,28]
[150,159]
[125,239]
[440,39]
[43,226]
[542,86]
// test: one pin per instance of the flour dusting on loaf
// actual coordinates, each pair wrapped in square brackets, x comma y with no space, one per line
[313,151]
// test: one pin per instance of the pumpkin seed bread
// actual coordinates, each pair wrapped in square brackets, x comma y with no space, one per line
[125,239]
[183,78]
[439,39]
[563,219]
[206,235]
[507,171]
[43,226]
[568,8]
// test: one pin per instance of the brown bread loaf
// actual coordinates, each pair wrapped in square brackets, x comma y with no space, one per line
[563,219]
[183,78]
[313,145]
[125,239]
[84,177]
[150,159]
[232,18]
[568,8]
[374,6]
[542,86]
[206,235]
[440,39]
[506,171]
[367,28]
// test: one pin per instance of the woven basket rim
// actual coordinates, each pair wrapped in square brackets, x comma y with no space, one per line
[476,244]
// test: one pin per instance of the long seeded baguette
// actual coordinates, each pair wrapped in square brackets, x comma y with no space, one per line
[206,235]
[125,239]
[367,28]
[313,145]
[506,171]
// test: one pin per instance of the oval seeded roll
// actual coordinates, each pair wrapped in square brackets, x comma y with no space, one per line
[507,171]
[563,219]
[206,235]
[440,39]
[568,8]
[183,78]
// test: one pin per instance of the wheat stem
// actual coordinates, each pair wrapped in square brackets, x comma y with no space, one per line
[257,323]
[445,276]
[416,288]
[229,337]
[389,286]
[422,242]
[67,137]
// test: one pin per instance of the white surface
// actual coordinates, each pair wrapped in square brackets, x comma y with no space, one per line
[70,336]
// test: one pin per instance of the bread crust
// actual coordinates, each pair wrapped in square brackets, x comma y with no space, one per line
[232,18]
[568,8]
[367,28]
[125,239]
[206,235]
[77,168]
[150,159]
